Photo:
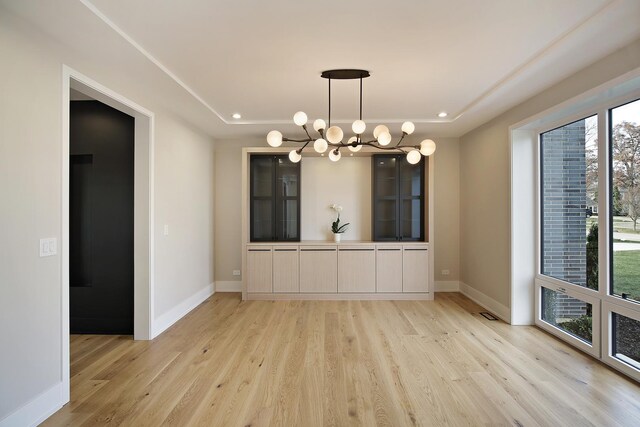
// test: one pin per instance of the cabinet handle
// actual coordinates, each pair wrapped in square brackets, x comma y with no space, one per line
[355,250]
[415,249]
[259,250]
[285,250]
[318,250]
[389,250]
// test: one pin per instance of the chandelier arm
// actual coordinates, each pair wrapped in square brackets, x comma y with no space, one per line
[401,138]
[384,148]
[304,146]
[296,140]
[307,132]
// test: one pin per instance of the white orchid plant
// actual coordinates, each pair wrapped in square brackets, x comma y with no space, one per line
[336,228]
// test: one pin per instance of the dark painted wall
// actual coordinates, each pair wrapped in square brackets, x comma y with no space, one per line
[101,219]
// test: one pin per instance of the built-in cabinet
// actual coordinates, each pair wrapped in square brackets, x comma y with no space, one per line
[398,198]
[274,192]
[358,269]
[396,261]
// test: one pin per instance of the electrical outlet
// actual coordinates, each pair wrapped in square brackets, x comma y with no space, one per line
[445,272]
[236,272]
[166,229]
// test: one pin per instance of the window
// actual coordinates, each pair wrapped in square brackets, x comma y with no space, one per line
[569,184]
[274,199]
[625,201]
[398,199]
[589,196]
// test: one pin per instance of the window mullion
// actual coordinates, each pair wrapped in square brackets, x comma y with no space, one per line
[604,205]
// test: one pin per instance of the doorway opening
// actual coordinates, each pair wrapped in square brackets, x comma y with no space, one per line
[142,200]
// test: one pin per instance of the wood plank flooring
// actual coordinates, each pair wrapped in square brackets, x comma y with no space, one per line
[339,363]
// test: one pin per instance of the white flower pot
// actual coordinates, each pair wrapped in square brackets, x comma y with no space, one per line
[337,237]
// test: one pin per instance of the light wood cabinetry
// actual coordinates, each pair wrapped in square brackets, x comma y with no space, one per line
[286,269]
[357,268]
[259,269]
[415,268]
[318,269]
[389,268]
[348,270]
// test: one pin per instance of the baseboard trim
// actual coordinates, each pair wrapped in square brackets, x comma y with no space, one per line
[229,286]
[38,410]
[447,286]
[166,320]
[500,310]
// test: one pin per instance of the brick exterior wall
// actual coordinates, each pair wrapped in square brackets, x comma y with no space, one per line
[564,221]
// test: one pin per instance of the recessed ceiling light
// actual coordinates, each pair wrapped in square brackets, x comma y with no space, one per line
[236,116]
[442,114]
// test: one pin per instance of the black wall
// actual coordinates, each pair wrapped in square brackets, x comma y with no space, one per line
[101,219]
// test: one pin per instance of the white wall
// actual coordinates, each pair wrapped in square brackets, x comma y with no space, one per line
[447,209]
[346,183]
[485,178]
[30,185]
[184,191]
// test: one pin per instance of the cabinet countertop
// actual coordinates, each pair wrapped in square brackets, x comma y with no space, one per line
[342,243]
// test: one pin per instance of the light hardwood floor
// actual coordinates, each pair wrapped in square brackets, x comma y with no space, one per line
[308,363]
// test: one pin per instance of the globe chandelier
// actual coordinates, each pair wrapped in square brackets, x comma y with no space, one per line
[333,137]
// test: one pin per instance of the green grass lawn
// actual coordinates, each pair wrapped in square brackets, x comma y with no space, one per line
[626,273]
[621,224]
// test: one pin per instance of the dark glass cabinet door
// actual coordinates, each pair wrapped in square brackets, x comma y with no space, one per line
[398,199]
[385,198]
[275,199]
[411,199]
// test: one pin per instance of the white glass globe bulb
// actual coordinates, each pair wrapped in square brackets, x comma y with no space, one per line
[319,124]
[358,127]
[413,156]
[408,128]
[334,134]
[320,145]
[384,138]
[274,138]
[335,155]
[294,156]
[378,130]
[351,147]
[300,118]
[427,147]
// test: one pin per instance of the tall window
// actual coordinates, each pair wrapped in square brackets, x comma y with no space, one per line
[569,241]
[625,201]
[623,314]
[569,163]
[274,199]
